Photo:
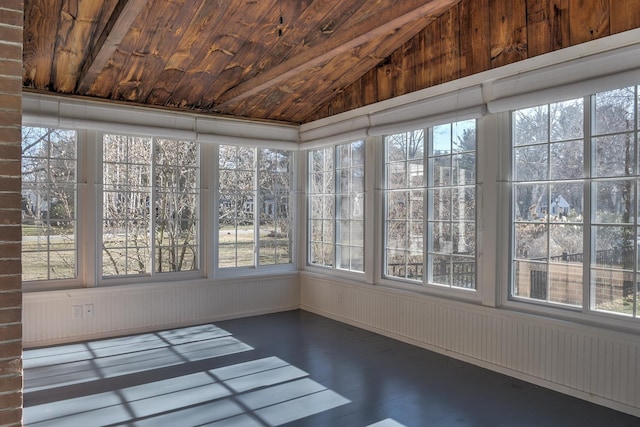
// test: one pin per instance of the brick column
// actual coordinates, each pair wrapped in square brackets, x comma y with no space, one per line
[11,23]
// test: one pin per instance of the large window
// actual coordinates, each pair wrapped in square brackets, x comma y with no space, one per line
[575,229]
[430,205]
[48,204]
[150,206]
[336,206]
[254,198]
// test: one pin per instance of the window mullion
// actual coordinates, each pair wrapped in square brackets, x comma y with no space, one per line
[256,208]
[589,202]
[636,109]
[427,203]
[548,201]
[335,205]
[152,204]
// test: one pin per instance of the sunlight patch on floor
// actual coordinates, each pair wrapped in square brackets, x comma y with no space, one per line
[262,392]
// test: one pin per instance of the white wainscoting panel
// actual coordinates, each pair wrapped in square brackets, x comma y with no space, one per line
[48,316]
[591,363]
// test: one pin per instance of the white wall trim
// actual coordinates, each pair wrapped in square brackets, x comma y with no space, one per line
[56,111]
[595,364]
[133,308]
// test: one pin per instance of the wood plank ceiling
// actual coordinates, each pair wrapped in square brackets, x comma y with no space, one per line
[267,59]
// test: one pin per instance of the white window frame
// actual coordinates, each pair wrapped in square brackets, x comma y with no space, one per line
[335,195]
[75,281]
[425,284]
[213,236]
[587,309]
[152,275]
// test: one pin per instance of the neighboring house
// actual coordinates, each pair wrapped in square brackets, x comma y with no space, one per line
[559,206]
[269,206]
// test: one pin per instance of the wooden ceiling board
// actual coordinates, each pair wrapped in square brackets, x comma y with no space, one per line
[313,43]
[296,33]
[356,63]
[624,15]
[589,19]
[224,56]
[231,34]
[263,45]
[508,24]
[116,27]
[194,46]
[387,21]
[152,52]
[39,41]
[145,45]
[474,37]
[317,32]
[108,79]
[235,31]
[81,23]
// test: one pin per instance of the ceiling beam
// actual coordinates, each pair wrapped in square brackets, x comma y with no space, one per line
[120,21]
[366,30]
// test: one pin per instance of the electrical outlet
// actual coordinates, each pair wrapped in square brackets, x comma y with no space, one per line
[88,311]
[76,312]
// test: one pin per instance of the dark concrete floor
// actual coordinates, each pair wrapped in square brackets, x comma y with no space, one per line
[293,369]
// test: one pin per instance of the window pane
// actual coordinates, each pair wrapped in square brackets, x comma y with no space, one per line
[463,273]
[441,202]
[614,247]
[464,238]
[441,171]
[343,232]
[441,237]
[531,125]
[259,203]
[614,201]
[396,148]
[548,230]
[464,203]
[531,241]
[321,212]
[441,140]
[613,291]
[127,208]
[615,110]
[566,202]
[177,201]
[531,163]
[529,201]
[567,160]
[441,269]
[274,209]
[615,155]
[565,283]
[357,153]
[397,235]
[463,169]
[48,204]
[530,280]
[397,175]
[464,136]
[566,120]
[349,204]
[450,215]
[452,179]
